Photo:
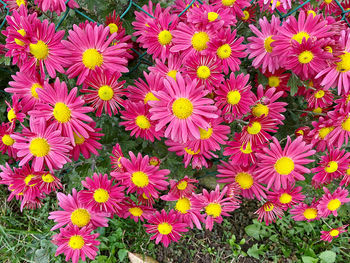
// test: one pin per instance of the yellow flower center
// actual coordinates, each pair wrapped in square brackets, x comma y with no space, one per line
[213,209]
[182,185]
[255,128]
[149,97]
[140,179]
[23,33]
[301,132]
[277,4]
[205,134]
[224,51]
[11,115]
[323,132]
[164,37]
[346,124]
[78,139]
[311,12]
[203,72]
[80,217]
[143,122]
[101,195]
[267,44]
[33,90]
[39,50]
[334,204]
[28,178]
[76,242]
[199,41]
[328,1]
[285,198]
[329,49]
[319,94]
[331,167]
[61,112]
[182,108]
[268,207]
[136,211]
[260,109]
[228,2]
[47,178]
[334,232]
[212,16]
[305,57]
[39,147]
[183,205]
[7,140]
[247,149]
[153,161]
[113,28]
[299,37]
[165,228]
[344,64]
[233,97]
[245,180]
[172,73]
[284,165]
[274,81]
[105,93]
[246,15]
[20,2]
[310,213]
[92,58]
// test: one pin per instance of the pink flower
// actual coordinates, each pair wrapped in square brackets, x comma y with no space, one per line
[329,203]
[14,111]
[168,67]
[15,4]
[49,183]
[319,98]
[288,197]
[304,212]
[6,142]
[116,156]
[235,6]
[269,212]
[136,212]
[181,188]
[333,233]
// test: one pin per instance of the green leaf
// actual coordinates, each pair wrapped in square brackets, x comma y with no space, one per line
[254,231]
[293,83]
[255,252]
[122,254]
[307,259]
[328,256]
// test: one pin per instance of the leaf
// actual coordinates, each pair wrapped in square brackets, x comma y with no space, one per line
[293,83]
[255,252]
[253,231]
[122,254]
[328,256]
[138,258]
[307,259]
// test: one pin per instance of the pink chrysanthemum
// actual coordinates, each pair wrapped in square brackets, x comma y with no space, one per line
[116,156]
[166,228]
[288,197]
[137,212]
[260,47]
[329,6]
[269,212]
[57,6]
[43,144]
[346,179]
[319,98]
[137,120]
[76,213]
[333,233]
[304,212]
[49,183]
[6,143]
[63,108]
[168,67]
[76,243]
[278,80]
[101,195]
[15,4]
[14,111]
[320,133]
[235,6]
[235,95]
[90,49]
[184,106]
[106,92]
[142,18]
[278,167]
[340,134]
[141,177]
[181,188]
[330,203]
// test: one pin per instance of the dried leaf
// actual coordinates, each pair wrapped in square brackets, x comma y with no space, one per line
[138,258]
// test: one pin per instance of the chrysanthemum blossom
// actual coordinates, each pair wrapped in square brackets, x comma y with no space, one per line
[256,132]
[63,108]
[340,132]
[278,167]
[168,67]
[184,107]
[90,49]
[165,227]
[320,98]
[57,6]
[304,212]
[330,203]
[288,197]
[333,233]
[116,156]
[6,142]
[269,213]
[181,188]
[320,135]
[136,211]
[14,111]
[15,4]
[235,6]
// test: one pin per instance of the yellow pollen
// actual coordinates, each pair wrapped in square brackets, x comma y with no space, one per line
[267,44]
[28,178]
[153,161]
[284,166]
[7,140]
[305,57]
[92,58]
[165,228]
[233,97]
[318,110]
[310,213]
[260,109]
[334,232]
[200,40]
[285,198]
[113,28]
[301,132]
[80,217]
[39,147]
[105,93]
[76,242]
[346,124]
[247,149]
[224,51]
[39,50]
[149,97]
[277,4]
[23,33]
[203,72]
[101,195]
[299,37]
[61,112]
[329,49]
[311,12]
[47,178]
[228,2]
[245,180]
[145,196]
[334,204]
[212,16]
[164,37]
[140,179]
[255,128]
[246,15]
[205,134]
[191,152]
[328,1]
[33,90]
[182,108]
[274,81]
[332,167]
[143,122]
[344,64]
[11,115]
[348,99]
[268,207]
[183,205]
[172,73]
[78,139]
[323,132]
[319,94]
[213,209]
[182,185]
[20,2]
[136,211]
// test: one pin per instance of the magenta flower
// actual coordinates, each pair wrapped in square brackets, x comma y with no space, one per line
[136,212]
[57,6]
[168,67]
[330,203]
[116,156]
[181,188]
[333,233]
[286,198]
[6,142]
[235,6]
[304,212]
[269,212]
